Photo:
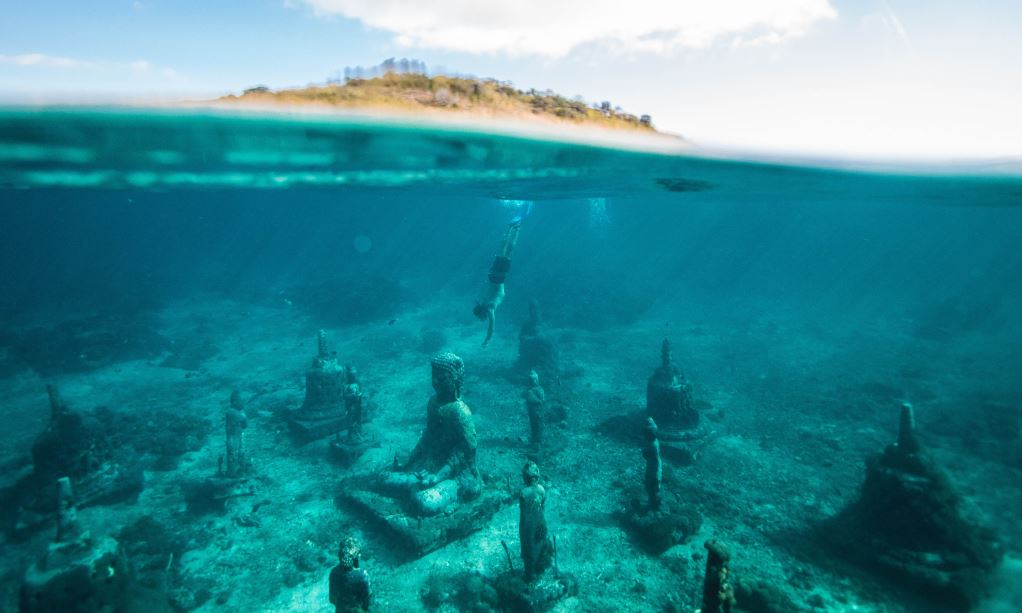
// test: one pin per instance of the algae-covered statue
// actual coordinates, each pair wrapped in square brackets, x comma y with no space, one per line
[537,548]
[235,423]
[437,495]
[441,470]
[718,593]
[347,450]
[350,590]
[535,399]
[656,525]
[654,474]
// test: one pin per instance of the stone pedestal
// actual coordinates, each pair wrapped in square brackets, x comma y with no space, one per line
[417,536]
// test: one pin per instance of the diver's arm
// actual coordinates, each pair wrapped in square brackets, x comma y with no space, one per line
[490,317]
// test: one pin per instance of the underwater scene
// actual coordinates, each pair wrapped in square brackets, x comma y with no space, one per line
[259,362]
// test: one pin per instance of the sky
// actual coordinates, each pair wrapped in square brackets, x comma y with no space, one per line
[925,79]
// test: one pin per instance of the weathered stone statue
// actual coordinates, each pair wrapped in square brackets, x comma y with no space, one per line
[908,524]
[537,548]
[437,496]
[441,470]
[233,476]
[537,349]
[668,396]
[235,423]
[718,593]
[350,448]
[323,411]
[656,525]
[353,404]
[654,465]
[535,399]
[77,573]
[350,590]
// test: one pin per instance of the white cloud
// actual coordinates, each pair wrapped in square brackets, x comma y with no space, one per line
[554,28]
[41,59]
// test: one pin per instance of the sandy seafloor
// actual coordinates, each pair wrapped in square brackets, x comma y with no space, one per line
[775,464]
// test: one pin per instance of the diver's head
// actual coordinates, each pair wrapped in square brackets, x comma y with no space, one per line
[480,312]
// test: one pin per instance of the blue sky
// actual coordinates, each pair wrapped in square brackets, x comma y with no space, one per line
[865,78]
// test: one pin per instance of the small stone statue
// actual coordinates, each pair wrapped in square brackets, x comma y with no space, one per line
[235,423]
[67,515]
[718,594]
[537,548]
[668,396]
[350,590]
[441,470]
[345,451]
[654,465]
[353,405]
[535,399]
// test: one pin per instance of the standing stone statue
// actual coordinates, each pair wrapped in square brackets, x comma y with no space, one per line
[668,396]
[323,412]
[353,405]
[345,451]
[654,465]
[441,470]
[537,548]
[350,591]
[535,399]
[718,594]
[235,423]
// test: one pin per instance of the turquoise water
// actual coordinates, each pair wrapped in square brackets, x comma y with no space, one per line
[152,261]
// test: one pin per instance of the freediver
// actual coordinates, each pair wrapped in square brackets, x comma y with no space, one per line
[493,292]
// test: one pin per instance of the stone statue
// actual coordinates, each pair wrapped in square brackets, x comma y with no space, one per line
[654,465]
[323,411]
[78,572]
[67,515]
[441,470]
[345,451]
[537,548]
[235,423]
[654,524]
[350,590]
[353,404]
[718,594]
[535,399]
[668,396]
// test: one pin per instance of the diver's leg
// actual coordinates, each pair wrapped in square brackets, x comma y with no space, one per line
[510,239]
